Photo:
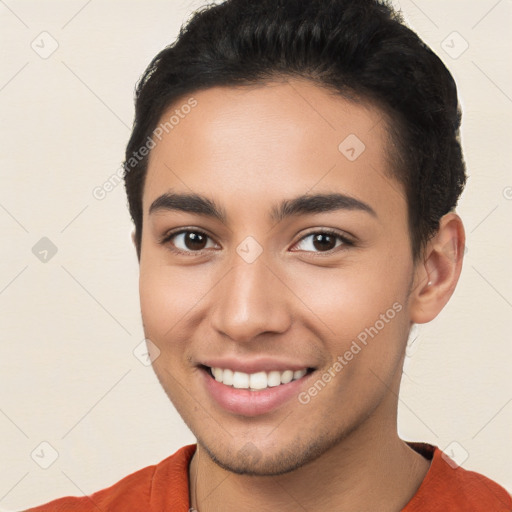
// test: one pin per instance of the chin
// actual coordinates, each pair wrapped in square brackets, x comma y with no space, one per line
[271,460]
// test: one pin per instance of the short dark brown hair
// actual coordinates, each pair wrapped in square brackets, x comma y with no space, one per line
[357,48]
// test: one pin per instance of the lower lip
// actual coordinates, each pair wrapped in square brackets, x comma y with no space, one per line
[251,403]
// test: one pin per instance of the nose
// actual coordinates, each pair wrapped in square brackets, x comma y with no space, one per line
[250,300]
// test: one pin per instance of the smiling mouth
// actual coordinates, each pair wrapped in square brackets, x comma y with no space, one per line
[255,381]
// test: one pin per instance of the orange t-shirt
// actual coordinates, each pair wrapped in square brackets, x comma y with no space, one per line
[164,487]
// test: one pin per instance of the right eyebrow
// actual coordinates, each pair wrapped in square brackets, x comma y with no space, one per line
[193,203]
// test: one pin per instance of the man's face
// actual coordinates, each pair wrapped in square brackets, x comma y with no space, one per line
[251,292]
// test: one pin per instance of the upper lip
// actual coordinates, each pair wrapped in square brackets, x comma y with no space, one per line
[261,364]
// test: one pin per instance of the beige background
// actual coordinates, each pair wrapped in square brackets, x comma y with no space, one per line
[69,325]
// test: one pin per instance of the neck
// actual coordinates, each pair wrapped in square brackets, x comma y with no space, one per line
[365,471]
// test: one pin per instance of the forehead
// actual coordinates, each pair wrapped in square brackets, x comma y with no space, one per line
[272,140]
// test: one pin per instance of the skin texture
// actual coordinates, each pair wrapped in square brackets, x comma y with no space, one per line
[248,149]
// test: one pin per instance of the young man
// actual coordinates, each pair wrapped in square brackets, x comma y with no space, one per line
[292,175]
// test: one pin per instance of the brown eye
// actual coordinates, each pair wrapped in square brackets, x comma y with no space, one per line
[195,241]
[322,241]
[189,241]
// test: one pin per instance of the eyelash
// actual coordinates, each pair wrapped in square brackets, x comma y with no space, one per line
[345,241]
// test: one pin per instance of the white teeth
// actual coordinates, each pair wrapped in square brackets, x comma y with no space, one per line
[298,374]
[240,380]
[227,376]
[286,376]
[256,381]
[273,379]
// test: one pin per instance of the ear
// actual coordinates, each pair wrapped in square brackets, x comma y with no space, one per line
[134,242]
[438,271]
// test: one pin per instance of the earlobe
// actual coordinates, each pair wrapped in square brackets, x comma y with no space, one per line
[438,272]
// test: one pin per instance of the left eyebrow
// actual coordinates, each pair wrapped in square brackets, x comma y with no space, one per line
[300,205]
[318,203]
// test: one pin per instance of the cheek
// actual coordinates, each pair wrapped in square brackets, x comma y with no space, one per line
[169,296]
[351,298]
[360,311]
